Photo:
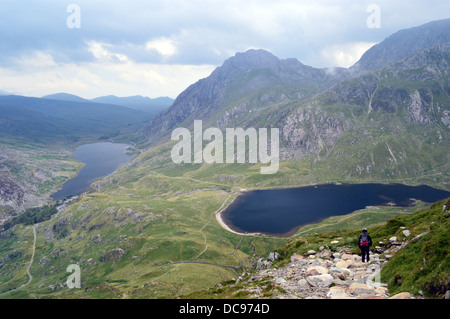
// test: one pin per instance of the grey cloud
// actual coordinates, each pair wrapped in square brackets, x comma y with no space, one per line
[205,32]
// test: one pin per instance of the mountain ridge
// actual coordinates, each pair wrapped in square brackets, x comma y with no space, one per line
[245,73]
[286,81]
[402,44]
[328,117]
[138,102]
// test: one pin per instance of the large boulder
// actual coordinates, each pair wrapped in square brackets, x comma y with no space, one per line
[274,256]
[360,290]
[316,270]
[263,264]
[402,295]
[320,281]
[337,292]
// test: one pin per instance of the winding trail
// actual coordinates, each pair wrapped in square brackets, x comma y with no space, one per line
[206,246]
[31,260]
[30,277]
[201,230]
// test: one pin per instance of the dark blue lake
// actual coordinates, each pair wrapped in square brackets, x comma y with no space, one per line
[100,159]
[283,211]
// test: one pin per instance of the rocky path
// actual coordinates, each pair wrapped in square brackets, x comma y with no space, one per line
[326,275]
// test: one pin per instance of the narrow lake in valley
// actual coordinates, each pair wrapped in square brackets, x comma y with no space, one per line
[100,159]
[283,211]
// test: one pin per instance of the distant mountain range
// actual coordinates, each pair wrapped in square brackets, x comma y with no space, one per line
[65,97]
[137,102]
[43,120]
[65,116]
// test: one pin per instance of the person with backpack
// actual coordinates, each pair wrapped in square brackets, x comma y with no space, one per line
[365,241]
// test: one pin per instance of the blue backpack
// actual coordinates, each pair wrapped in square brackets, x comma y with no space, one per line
[364,240]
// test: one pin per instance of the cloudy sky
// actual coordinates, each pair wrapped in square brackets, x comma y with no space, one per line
[159,47]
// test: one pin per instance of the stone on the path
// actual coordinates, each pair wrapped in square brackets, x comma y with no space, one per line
[347,272]
[337,292]
[382,290]
[324,254]
[402,295]
[337,255]
[321,281]
[335,269]
[406,233]
[360,289]
[303,284]
[296,257]
[379,249]
[356,264]
[343,263]
[317,270]
[338,277]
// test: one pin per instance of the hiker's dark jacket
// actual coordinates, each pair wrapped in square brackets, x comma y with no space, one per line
[368,238]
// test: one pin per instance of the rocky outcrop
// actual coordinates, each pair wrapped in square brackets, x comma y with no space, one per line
[29,176]
[308,130]
[113,255]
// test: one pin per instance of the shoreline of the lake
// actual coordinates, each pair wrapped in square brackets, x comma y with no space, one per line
[55,196]
[222,223]
[221,219]
[225,226]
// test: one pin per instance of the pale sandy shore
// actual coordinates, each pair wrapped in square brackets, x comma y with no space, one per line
[225,226]
[222,223]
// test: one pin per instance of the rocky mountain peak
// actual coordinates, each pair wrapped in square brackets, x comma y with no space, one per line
[238,77]
[252,59]
[403,44]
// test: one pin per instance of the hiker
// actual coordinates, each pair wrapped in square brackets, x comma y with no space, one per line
[365,241]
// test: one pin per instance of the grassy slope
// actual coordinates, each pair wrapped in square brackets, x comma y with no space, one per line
[424,264]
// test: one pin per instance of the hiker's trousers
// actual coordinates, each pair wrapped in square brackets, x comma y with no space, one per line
[364,253]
